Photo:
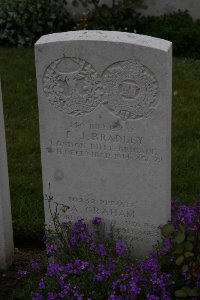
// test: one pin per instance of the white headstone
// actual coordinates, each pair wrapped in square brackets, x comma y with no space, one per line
[6,233]
[105,126]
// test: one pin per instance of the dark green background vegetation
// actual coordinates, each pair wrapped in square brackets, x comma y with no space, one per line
[22,22]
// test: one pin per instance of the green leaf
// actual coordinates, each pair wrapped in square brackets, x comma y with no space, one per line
[195,292]
[185,268]
[180,260]
[186,289]
[178,250]
[188,254]
[180,294]
[188,246]
[179,237]
[191,237]
[167,229]
[182,228]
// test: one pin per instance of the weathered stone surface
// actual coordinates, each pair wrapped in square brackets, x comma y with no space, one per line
[6,233]
[105,126]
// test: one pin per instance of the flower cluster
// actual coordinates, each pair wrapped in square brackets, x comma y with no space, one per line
[187,215]
[86,264]
[180,251]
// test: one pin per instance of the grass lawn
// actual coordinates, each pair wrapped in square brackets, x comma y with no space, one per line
[22,131]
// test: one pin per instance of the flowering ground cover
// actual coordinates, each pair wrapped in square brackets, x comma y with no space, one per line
[86,263]
[9,279]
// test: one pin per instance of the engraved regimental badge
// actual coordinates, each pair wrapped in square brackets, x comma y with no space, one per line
[131,90]
[127,89]
[72,86]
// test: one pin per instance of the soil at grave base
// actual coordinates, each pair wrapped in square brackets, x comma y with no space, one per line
[29,239]
[8,279]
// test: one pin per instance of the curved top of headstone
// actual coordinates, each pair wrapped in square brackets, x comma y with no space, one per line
[110,36]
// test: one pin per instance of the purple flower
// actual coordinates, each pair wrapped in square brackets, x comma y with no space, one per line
[51,248]
[69,268]
[80,234]
[53,269]
[64,286]
[64,293]
[122,287]
[120,248]
[186,215]
[22,273]
[80,265]
[150,264]
[77,295]
[115,284]
[96,221]
[34,265]
[90,268]
[114,297]
[36,296]
[80,226]
[133,288]
[101,250]
[165,296]
[102,275]
[42,284]
[167,244]
[73,241]
[152,297]
[112,265]
[52,296]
